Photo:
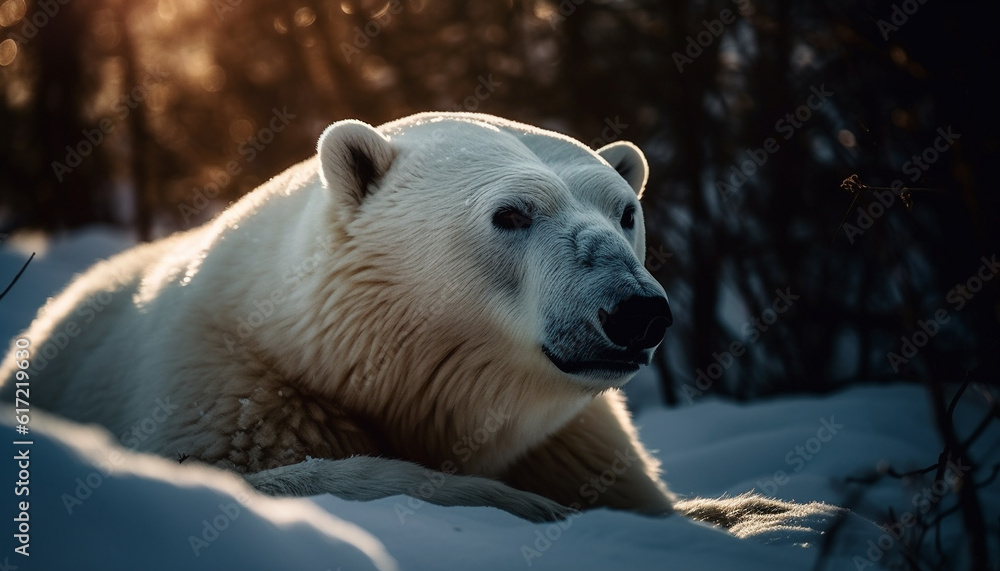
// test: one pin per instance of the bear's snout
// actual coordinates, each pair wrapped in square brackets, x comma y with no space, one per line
[638,322]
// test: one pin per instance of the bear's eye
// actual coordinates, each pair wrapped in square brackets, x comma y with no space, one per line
[511,218]
[628,217]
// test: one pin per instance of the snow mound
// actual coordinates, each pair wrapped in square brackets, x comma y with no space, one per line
[95,505]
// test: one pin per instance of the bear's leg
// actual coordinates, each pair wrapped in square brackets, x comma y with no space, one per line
[596,460]
[369,478]
[752,515]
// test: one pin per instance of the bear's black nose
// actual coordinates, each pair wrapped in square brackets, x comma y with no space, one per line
[637,322]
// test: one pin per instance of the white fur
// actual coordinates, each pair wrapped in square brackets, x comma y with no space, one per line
[362,309]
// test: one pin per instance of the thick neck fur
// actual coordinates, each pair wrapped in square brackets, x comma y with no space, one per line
[439,388]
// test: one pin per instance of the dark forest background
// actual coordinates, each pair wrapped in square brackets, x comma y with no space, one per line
[154,115]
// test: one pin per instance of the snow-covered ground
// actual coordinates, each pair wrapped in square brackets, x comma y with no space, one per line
[96,505]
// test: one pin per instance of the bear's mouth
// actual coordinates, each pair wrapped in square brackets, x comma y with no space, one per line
[602,368]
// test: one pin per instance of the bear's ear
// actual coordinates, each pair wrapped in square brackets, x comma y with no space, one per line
[353,157]
[629,161]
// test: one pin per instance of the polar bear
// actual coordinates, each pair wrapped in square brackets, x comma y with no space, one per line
[451,298]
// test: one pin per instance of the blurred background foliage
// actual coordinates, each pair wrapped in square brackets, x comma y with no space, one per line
[154,115]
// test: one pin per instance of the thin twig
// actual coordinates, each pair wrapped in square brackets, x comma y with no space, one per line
[853,185]
[18,276]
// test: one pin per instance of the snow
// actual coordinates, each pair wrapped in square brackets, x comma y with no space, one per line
[97,505]
[55,263]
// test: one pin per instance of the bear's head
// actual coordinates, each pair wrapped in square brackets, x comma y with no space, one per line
[495,246]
